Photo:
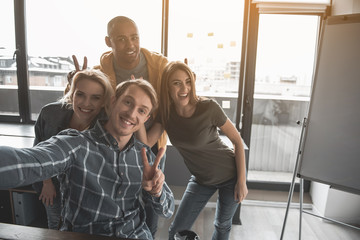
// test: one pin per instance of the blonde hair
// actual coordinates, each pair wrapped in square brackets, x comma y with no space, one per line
[165,98]
[92,75]
[144,85]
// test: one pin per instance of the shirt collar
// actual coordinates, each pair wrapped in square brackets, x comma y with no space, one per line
[105,137]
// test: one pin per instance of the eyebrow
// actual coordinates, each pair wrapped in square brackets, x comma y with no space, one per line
[99,95]
[125,36]
[143,106]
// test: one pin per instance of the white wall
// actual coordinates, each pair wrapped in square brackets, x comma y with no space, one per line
[343,206]
[334,204]
[319,194]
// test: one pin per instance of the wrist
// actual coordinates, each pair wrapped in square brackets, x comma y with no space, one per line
[47,181]
[158,194]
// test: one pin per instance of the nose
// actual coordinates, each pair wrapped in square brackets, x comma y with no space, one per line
[132,112]
[129,43]
[182,87]
[87,102]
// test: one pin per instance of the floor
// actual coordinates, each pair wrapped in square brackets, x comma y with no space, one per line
[269,176]
[262,215]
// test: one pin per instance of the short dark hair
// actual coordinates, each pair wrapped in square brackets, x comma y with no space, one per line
[116,20]
[144,85]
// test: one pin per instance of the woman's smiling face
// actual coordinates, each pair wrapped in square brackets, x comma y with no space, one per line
[180,87]
[88,99]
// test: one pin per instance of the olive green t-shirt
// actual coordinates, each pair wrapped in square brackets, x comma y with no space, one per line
[197,139]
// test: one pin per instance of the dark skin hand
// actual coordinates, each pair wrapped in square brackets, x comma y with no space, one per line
[77,68]
[153,177]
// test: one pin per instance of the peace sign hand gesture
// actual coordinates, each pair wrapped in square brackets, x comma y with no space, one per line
[77,68]
[153,177]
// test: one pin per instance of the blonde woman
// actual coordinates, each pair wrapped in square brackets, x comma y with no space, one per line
[88,99]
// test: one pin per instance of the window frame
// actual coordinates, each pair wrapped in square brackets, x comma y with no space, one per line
[245,103]
[21,62]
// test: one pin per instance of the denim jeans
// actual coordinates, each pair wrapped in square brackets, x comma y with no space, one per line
[194,200]
[53,212]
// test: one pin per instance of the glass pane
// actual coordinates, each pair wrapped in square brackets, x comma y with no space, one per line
[211,41]
[284,69]
[56,30]
[9,104]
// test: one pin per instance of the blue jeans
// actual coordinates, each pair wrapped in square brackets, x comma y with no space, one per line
[194,200]
[53,212]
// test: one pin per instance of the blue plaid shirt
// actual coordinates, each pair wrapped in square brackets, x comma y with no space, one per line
[101,186]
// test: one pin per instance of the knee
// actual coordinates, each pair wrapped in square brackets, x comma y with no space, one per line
[223,226]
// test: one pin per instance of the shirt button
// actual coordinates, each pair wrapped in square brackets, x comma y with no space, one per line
[122,174]
[119,192]
[115,143]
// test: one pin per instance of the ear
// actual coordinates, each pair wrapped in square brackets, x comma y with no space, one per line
[108,41]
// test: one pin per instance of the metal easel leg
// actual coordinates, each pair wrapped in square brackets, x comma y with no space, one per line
[292,186]
[301,205]
[289,201]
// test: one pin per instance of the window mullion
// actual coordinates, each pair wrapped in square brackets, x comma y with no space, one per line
[21,61]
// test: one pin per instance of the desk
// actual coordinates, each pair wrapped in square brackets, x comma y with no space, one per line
[36,205]
[16,135]
[18,232]
[19,136]
[16,129]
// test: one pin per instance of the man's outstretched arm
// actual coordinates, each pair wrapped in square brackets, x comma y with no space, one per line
[24,166]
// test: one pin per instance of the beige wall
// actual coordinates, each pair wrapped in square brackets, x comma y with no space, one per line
[341,7]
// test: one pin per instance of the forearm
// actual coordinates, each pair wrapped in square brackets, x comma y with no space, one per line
[18,169]
[142,135]
[151,136]
[240,162]
[24,166]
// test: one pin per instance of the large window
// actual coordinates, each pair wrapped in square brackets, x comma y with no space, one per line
[209,35]
[8,78]
[283,79]
[282,38]
[56,30]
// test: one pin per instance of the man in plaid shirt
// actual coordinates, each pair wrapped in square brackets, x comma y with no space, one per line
[107,172]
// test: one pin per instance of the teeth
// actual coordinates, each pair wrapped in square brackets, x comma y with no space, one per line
[183,95]
[129,53]
[127,122]
[85,110]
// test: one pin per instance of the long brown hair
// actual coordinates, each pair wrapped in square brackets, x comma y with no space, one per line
[165,101]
